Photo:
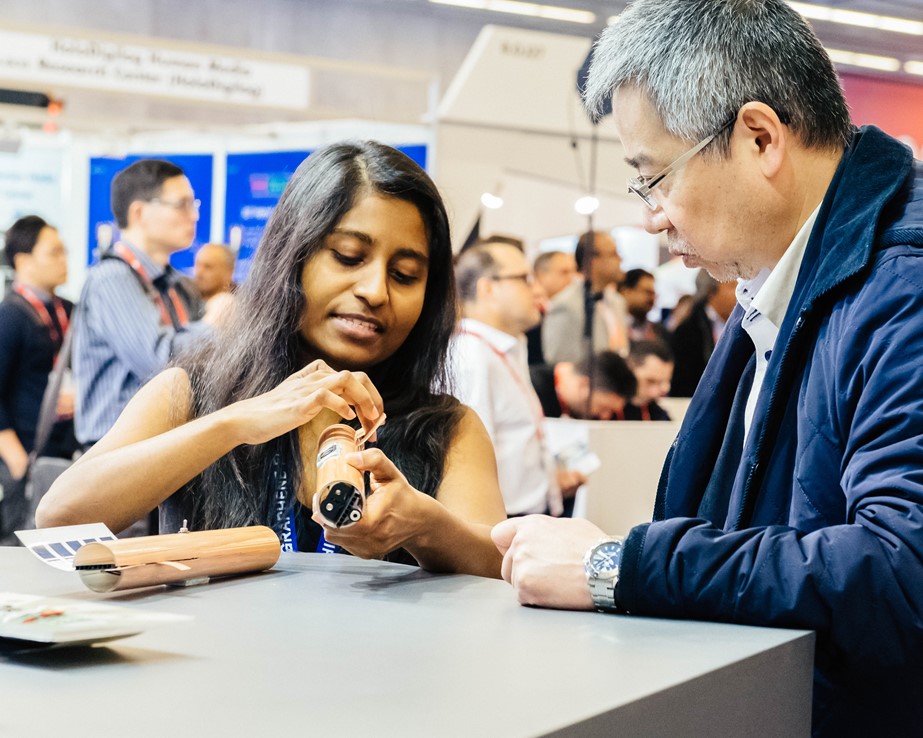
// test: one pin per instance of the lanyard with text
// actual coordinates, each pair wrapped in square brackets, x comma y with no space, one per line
[527,390]
[284,516]
[124,253]
[40,308]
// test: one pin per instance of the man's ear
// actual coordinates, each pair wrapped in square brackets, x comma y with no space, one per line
[766,137]
[19,261]
[583,384]
[484,288]
[134,212]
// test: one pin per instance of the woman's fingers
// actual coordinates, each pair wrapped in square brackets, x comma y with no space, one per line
[362,394]
[325,398]
[374,461]
[355,387]
[318,365]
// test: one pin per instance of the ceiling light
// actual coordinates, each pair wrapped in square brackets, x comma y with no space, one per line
[867,61]
[913,67]
[586,205]
[535,10]
[492,202]
[855,18]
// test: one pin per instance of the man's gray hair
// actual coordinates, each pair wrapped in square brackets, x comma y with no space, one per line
[700,61]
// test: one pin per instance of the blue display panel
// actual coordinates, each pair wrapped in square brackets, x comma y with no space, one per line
[198,168]
[254,185]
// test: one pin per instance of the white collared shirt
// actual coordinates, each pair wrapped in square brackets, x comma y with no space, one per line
[765,300]
[491,375]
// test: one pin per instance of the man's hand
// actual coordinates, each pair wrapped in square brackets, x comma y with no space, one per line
[543,559]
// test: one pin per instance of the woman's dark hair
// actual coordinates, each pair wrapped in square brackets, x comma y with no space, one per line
[262,345]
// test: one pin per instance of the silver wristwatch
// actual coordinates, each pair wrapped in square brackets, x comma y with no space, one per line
[602,563]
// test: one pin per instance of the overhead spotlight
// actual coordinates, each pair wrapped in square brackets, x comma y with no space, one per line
[492,202]
[587,205]
[867,61]
[855,18]
[517,7]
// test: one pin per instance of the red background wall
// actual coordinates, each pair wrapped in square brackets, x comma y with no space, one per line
[895,107]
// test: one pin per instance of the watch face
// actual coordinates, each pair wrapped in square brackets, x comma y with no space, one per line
[606,558]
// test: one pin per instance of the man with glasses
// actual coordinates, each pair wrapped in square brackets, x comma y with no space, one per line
[500,303]
[793,496]
[135,310]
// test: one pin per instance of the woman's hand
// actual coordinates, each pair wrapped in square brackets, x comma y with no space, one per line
[302,396]
[394,512]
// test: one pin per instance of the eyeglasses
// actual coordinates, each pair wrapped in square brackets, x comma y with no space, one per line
[643,186]
[525,278]
[188,206]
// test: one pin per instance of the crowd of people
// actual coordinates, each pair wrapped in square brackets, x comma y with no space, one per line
[792,496]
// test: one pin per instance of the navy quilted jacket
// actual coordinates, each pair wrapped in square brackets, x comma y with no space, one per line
[817,522]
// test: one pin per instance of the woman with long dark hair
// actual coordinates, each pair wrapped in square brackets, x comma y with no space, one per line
[347,313]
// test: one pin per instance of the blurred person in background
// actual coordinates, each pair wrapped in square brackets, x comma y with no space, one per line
[136,310]
[563,331]
[487,356]
[552,271]
[564,389]
[33,323]
[213,270]
[637,289]
[652,364]
[693,341]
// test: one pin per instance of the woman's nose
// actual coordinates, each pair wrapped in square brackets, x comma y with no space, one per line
[372,284]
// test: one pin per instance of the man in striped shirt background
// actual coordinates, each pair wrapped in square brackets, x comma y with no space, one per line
[136,311]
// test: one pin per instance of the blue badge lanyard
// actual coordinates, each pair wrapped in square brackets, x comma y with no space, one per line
[283,524]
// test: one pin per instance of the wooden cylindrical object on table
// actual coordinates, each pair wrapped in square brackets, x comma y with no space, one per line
[176,558]
[340,487]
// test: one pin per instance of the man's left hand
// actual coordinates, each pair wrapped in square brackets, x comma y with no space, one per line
[543,559]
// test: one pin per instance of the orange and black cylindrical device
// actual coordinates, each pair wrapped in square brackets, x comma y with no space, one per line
[340,487]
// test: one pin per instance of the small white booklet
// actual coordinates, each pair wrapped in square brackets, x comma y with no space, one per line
[32,621]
